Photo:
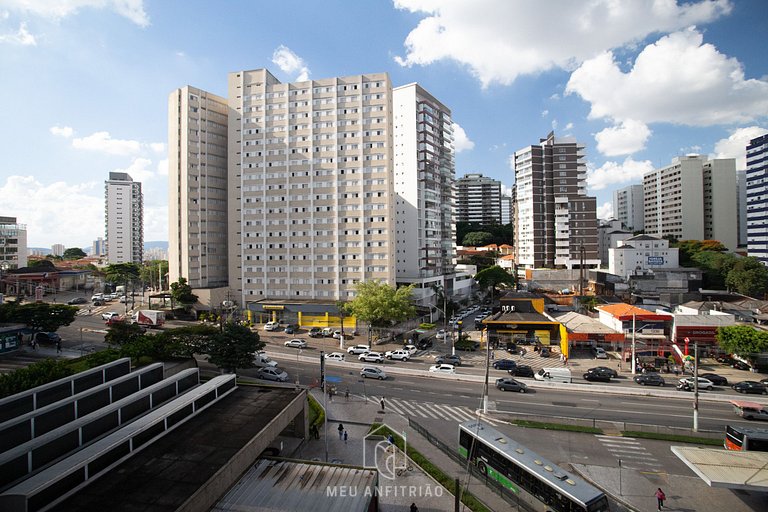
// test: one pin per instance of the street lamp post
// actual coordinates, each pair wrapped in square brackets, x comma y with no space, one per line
[695,387]
[634,329]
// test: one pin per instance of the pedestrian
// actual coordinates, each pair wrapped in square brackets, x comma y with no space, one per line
[492,355]
[391,441]
[34,343]
[660,497]
[341,431]
[414,508]
[382,403]
[58,347]
[346,395]
[345,437]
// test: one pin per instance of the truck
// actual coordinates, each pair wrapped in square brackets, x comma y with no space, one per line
[149,318]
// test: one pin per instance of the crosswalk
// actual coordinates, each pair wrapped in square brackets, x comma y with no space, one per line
[430,410]
[631,453]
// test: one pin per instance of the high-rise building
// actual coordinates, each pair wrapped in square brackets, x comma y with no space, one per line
[124,223]
[555,220]
[507,209]
[424,177]
[628,207]
[58,249]
[757,198]
[741,201]
[197,176]
[98,248]
[13,244]
[478,199]
[693,199]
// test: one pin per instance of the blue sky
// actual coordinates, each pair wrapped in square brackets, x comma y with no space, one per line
[85,84]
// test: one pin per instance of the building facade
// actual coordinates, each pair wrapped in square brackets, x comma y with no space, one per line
[507,209]
[58,249]
[197,182]
[757,198]
[609,233]
[13,244]
[99,247]
[640,254]
[555,220]
[628,207]
[478,199]
[693,199]
[124,206]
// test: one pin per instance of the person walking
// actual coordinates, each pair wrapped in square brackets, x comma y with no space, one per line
[345,437]
[660,497]
[382,403]
[341,431]
[414,508]
[58,347]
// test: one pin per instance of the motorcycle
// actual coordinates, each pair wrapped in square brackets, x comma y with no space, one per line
[684,387]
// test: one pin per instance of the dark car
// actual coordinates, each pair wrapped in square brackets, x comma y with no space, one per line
[504,364]
[511,347]
[315,332]
[509,384]
[521,370]
[740,365]
[424,343]
[77,300]
[750,387]
[544,352]
[47,337]
[290,329]
[597,374]
[717,380]
[448,359]
[650,379]
[613,372]
[724,359]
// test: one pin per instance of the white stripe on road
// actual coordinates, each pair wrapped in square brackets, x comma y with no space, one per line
[425,409]
[449,412]
[414,411]
[611,446]
[393,405]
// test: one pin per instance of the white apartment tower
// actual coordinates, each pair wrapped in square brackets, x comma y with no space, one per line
[311,193]
[424,176]
[13,244]
[628,207]
[507,209]
[124,206]
[693,199]
[555,220]
[757,198]
[197,175]
[478,199]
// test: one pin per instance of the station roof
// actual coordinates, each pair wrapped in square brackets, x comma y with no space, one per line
[576,322]
[728,469]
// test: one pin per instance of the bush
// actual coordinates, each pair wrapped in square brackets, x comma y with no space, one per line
[33,375]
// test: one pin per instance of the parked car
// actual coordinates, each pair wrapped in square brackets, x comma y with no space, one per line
[327,332]
[372,372]
[47,337]
[599,353]
[649,379]
[315,332]
[613,372]
[296,343]
[750,387]
[261,359]
[440,334]
[271,326]
[109,315]
[290,329]
[358,349]
[509,384]
[504,364]
[717,380]
[411,349]
[521,370]
[724,359]
[703,383]
[598,374]
[77,300]
[372,357]
[544,352]
[424,343]
[511,347]
[335,356]
[272,373]
[442,368]
[402,355]
[741,365]
[449,359]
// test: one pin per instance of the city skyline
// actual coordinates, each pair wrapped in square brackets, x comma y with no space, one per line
[618,78]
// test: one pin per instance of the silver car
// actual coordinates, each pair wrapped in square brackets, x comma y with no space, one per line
[275,374]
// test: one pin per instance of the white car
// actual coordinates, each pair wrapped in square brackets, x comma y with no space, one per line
[440,334]
[372,357]
[296,343]
[271,326]
[358,349]
[335,356]
[703,383]
[411,349]
[109,315]
[442,368]
[402,355]
[372,372]
[272,373]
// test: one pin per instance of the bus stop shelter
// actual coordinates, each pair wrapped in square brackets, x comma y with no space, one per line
[747,471]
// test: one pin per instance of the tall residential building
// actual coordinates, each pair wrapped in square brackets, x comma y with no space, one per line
[555,220]
[628,207]
[197,176]
[13,244]
[741,201]
[124,206]
[507,209]
[58,249]
[757,198]
[478,199]
[98,248]
[693,199]
[424,177]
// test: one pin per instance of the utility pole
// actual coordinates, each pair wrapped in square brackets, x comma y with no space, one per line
[487,371]
[695,387]
[634,326]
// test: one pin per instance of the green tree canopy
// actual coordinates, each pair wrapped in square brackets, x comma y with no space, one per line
[74,253]
[39,316]
[491,277]
[742,340]
[379,304]
[715,265]
[152,271]
[181,292]
[689,248]
[477,238]
[121,273]
[500,233]
[748,277]
[234,347]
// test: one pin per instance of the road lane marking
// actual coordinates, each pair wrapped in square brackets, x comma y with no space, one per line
[450,412]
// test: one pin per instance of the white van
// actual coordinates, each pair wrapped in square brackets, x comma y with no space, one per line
[553,375]
[261,360]
[271,326]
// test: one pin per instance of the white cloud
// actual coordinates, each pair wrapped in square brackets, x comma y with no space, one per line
[554,124]
[162,167]
[62,131]
[21,37]
[569,126]
[156,222]
[139,170]
[157,147]
[58,9]
[544,113]
[625,138]
[605,211]
[102,141]
[735,146]
[290,63]
[614,173]
[460,140]
[544,35]
[678,80]
[506,191]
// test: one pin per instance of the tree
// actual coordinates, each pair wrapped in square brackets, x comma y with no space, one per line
[501,233]
[152,271]
[715,265]
[494,276]
[234,347]
[39,316]
[74,253]
[187,341]
[122,333]
[748,277]
[181,292]
[379,304]
[121,273]
[742,340]
[477,238]
[689,248]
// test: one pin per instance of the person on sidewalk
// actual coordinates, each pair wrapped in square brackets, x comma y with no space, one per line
[414,508]
[345,437]
[382,403]
[660,497]
[58,347]
[341,431]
